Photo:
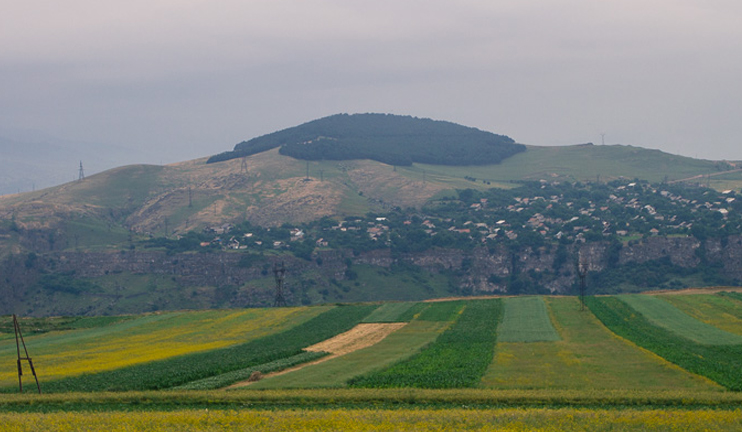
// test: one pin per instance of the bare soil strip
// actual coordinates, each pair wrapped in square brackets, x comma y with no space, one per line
[361,336]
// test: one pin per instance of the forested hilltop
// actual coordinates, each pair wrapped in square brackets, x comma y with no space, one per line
[386,138]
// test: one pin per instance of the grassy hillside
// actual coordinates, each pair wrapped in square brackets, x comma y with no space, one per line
[269,189]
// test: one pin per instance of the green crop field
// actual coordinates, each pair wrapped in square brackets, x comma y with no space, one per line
[392,312]
[667,316]
[588,357]
[625,363]
[719,363]
[458,358]
[716,310]
[337,372]
[526,320]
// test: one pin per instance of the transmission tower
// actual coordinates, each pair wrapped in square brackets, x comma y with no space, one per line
[81,175]
[18,342]
[279,274]
[243,167]
[581,268]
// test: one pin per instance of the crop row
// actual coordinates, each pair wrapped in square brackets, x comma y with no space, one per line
[457,359]
[223,380]
[179,370]
[720,363]
[667,316]
[526,319]
[392,312]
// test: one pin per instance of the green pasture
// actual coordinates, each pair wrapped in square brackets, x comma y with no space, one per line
[526,320]
[581,163]
[663,314]
[588,357]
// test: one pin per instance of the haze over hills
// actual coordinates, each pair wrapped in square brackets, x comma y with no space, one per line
[31,161]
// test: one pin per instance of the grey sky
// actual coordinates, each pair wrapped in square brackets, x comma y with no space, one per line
[192,78]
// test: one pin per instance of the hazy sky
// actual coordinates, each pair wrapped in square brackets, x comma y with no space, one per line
[193,78]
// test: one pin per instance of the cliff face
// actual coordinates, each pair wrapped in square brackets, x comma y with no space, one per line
[239,279]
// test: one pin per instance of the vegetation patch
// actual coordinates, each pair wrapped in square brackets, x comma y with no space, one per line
[526,320]
[145,339]
[442,311]
[396,347]
[588,357]
[390,312]
[391,139]
[719,311]
[457,359]
[182,369]
[665,315]
[374,419]
[719,363]
[229,378]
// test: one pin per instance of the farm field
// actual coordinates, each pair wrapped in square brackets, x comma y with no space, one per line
[525,363]
[588,357]
[663,314]
[145,339]
[526,320]
[719,311]
[462,419]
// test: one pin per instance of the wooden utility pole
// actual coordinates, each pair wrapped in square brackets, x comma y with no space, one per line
[18,342]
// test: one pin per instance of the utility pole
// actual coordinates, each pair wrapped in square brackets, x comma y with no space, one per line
[279,274]
[18,342]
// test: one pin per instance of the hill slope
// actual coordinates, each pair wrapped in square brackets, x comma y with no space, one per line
[391,139]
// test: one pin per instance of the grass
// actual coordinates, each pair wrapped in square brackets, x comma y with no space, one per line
[719,363]
[526,320]
[458,358]
[390,312]
[336,372]
[587,358]
[581,163]
[667,316]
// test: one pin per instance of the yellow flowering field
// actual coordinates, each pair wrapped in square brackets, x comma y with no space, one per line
[146,338]
[459,419]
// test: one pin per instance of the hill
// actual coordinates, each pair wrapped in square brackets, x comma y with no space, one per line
[391,139]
